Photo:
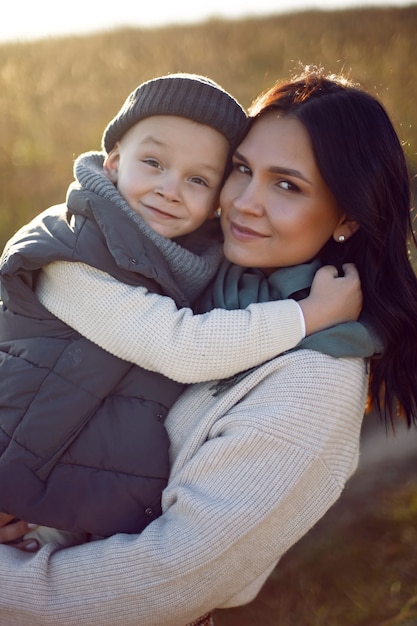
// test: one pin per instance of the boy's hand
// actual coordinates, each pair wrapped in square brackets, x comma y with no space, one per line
[12,531]
[332,299]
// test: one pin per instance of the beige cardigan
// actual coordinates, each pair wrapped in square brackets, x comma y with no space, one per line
[253,469]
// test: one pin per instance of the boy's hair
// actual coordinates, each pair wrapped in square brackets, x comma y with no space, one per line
[190,96]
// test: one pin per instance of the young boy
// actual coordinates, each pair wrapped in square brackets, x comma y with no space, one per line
[82,441]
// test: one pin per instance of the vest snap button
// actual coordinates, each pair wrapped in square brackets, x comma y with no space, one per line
[148,511]
[133,261]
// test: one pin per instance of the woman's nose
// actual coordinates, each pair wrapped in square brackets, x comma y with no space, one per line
[249,199]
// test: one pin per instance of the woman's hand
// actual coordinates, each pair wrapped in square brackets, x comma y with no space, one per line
[333,299]
[12,531]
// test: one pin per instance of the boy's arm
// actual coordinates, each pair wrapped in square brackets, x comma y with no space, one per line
[148,329]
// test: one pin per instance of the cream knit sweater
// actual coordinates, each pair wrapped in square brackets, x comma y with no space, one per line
[149,330]
[253,469]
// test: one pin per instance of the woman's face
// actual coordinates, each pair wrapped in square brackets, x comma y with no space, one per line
[276,209]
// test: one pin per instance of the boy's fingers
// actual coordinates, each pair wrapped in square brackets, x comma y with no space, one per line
[13,532]
[327,269]
[350,270]
[5,518]
[30,545]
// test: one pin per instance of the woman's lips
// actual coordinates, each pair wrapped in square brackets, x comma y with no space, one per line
[243,233]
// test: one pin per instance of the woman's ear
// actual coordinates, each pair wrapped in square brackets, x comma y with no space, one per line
[215,213]
[111,163]
[345,229]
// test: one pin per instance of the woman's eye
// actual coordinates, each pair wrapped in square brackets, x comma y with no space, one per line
[241,167]
[288,186]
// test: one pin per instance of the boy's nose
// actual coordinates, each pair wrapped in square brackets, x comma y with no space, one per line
[169,188]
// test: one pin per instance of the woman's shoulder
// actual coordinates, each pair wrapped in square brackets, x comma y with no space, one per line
[308,370]
[311,380]
[299,393]
[300,377]
[310,400]
[305,404]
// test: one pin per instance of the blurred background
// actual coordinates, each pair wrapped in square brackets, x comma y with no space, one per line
[65,71]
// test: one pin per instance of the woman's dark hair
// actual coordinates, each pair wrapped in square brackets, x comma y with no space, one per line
[362,162]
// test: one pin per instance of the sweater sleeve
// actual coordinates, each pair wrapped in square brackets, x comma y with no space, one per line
[268,471]
[147,329]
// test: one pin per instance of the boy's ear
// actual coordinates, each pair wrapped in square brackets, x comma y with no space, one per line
[345,229]
[111,163]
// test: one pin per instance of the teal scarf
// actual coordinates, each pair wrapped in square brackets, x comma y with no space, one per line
[236,287]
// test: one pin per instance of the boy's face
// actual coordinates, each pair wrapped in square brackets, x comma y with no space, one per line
[170,171]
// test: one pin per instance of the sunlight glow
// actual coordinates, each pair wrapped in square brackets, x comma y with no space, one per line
[26,19]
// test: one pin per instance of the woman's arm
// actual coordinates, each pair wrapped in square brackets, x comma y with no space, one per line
[270,468]
[149,330]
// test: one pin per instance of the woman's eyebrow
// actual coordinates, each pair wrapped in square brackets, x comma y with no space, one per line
[287,171]
[239,155]
[275,169]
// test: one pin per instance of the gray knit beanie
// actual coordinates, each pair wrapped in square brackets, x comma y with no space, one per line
[187,95]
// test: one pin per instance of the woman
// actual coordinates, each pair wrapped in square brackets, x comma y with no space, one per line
[258,460]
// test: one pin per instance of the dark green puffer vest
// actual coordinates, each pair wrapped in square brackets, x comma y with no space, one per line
[82,439]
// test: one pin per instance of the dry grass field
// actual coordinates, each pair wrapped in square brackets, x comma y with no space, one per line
[57,95]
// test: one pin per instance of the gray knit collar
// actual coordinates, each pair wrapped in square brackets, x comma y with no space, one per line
[192,271]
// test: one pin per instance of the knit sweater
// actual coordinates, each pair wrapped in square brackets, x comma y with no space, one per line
[185,347]
[253,469]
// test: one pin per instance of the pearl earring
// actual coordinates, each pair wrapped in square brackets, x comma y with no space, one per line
[341,238]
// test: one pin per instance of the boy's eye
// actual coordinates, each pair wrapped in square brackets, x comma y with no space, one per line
[152,163]
[199,181]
